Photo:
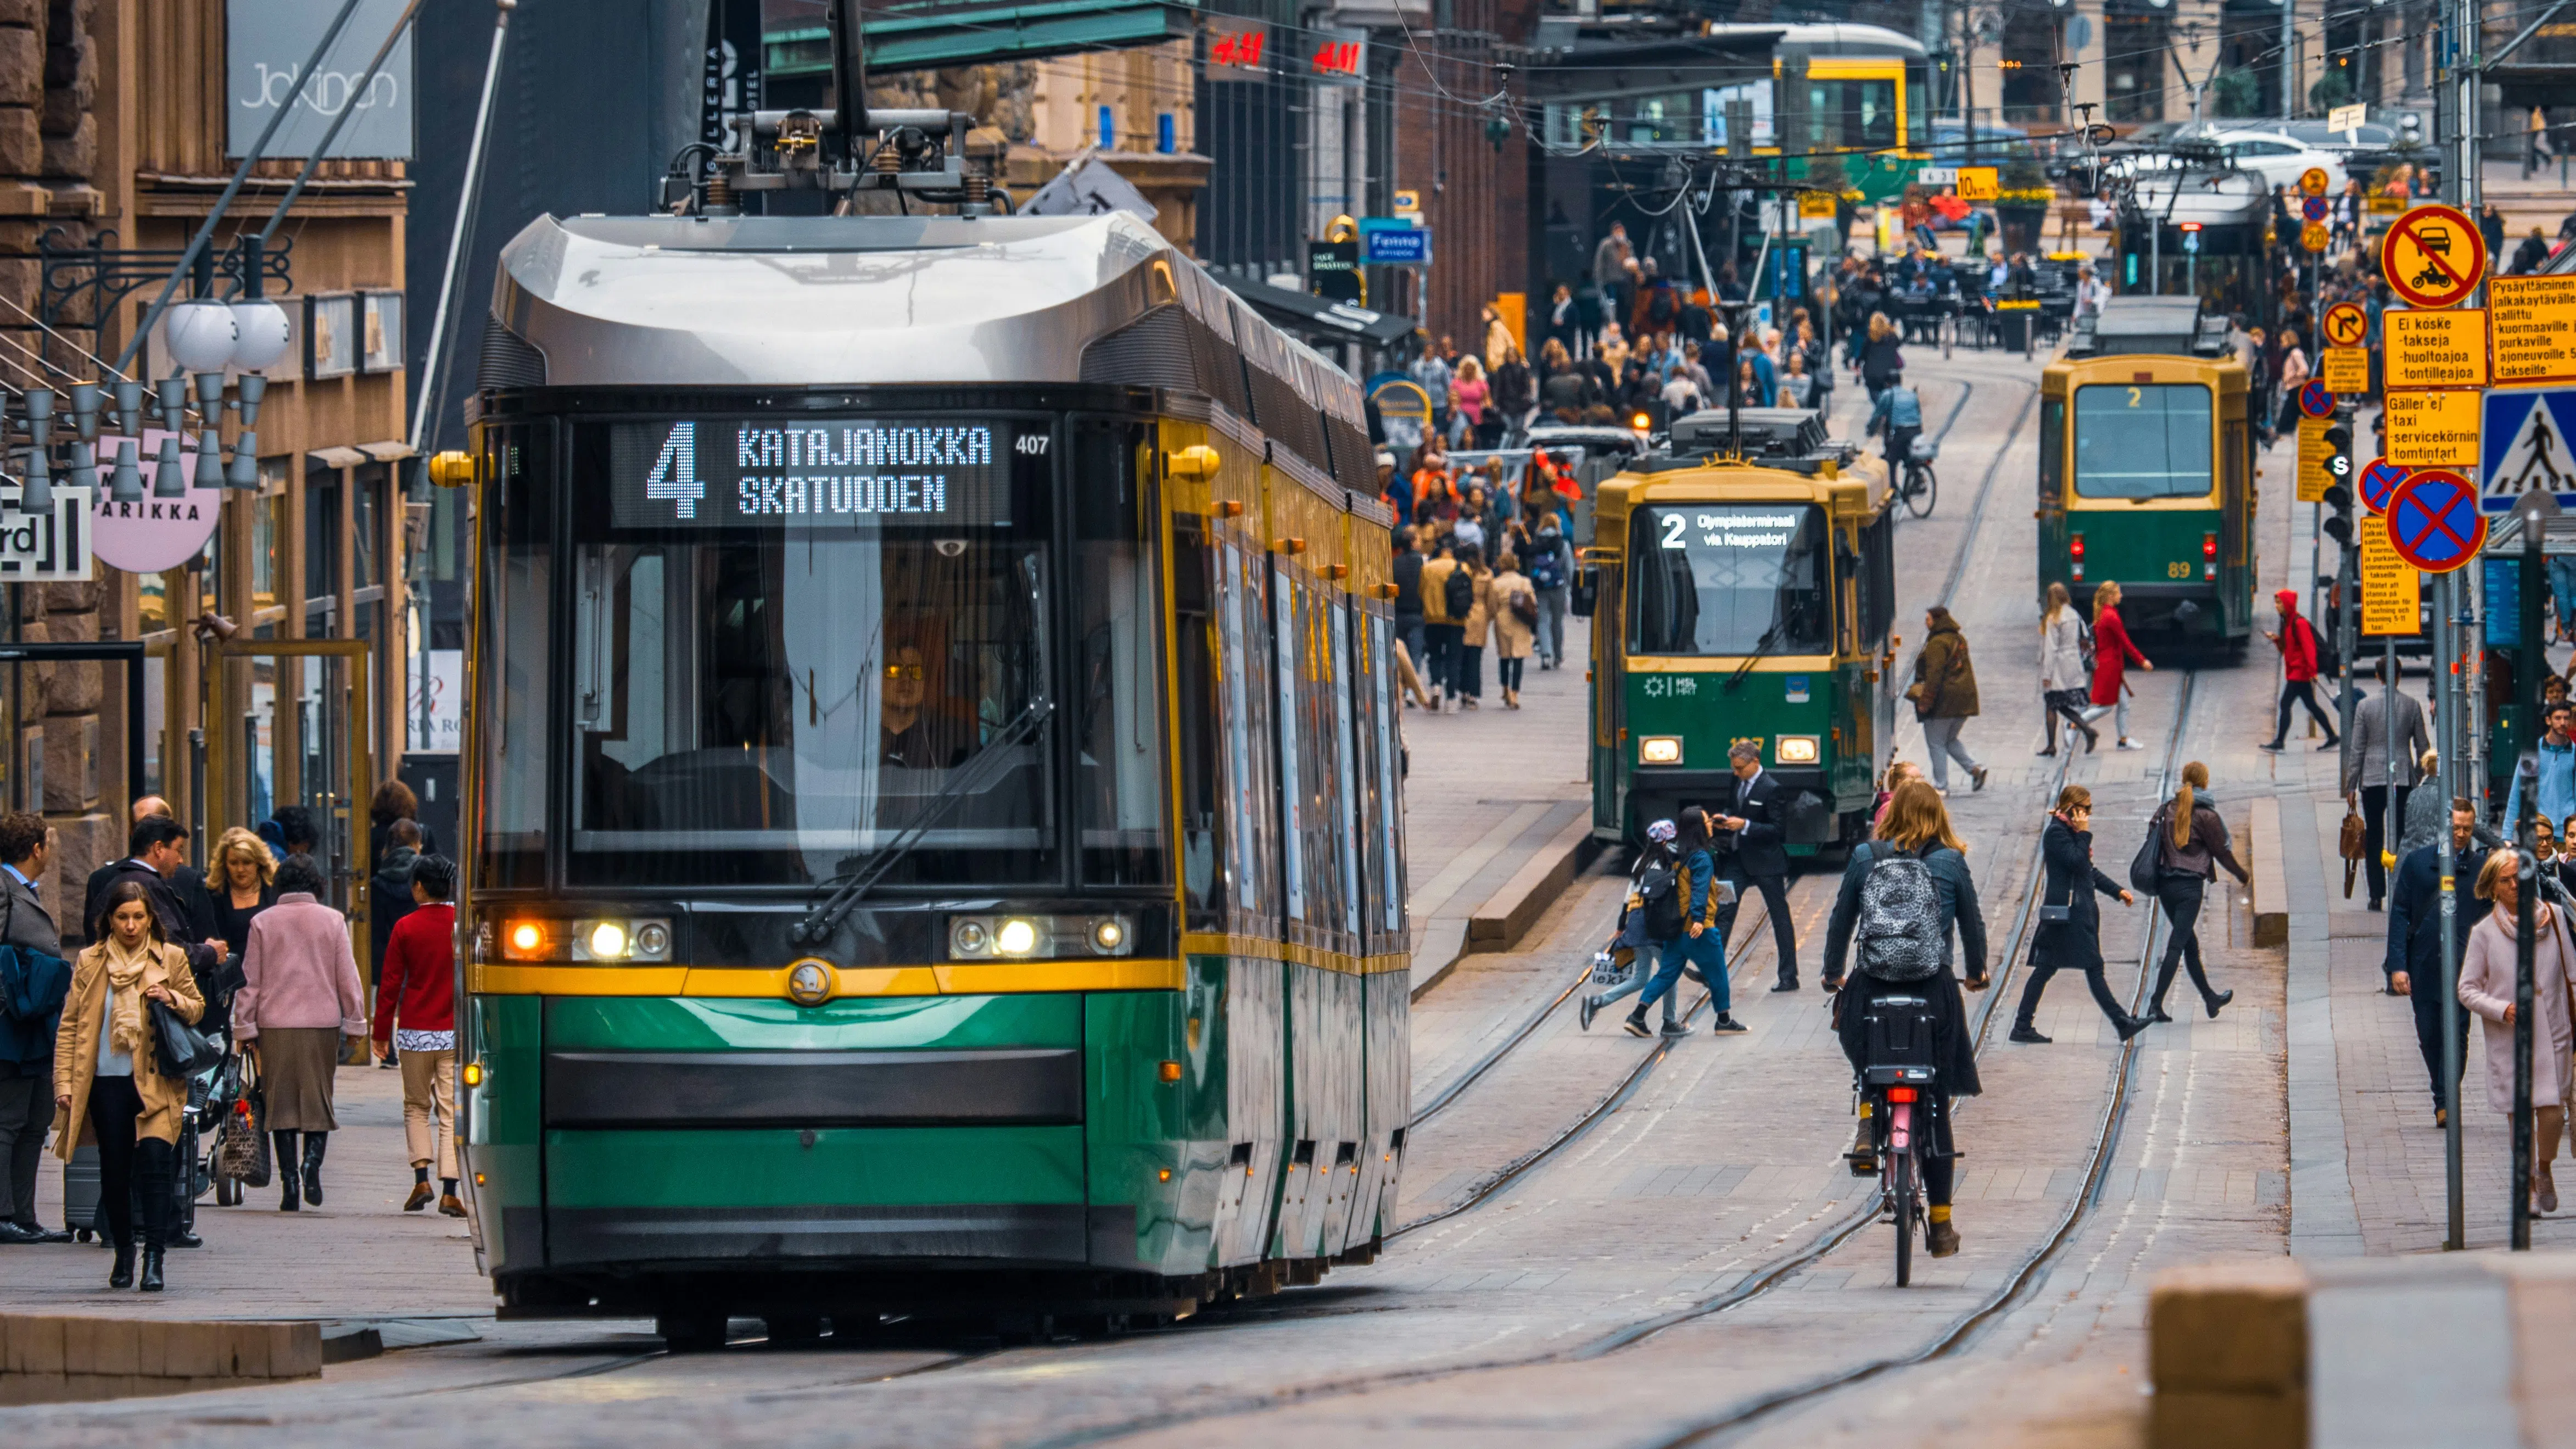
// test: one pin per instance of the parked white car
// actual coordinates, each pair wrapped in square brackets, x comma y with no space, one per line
[2280,157]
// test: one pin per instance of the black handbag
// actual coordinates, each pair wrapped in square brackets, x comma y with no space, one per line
[2144,869]
[181,1050]
[2057,915]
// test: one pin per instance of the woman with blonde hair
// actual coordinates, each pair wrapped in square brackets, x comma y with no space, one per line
[2062,682]
[2070,923]
[2487,987]
[2112,654]
[1923,856]
[238,887]
[2191,843]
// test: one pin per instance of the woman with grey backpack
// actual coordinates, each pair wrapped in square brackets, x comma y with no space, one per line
[1903,893]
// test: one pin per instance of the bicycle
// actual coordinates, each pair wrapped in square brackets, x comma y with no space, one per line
[1896,1085]
[1918,485]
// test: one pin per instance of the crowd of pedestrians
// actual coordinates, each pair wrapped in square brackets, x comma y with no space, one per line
[249,956]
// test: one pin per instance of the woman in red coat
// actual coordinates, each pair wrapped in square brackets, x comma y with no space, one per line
[2112,655]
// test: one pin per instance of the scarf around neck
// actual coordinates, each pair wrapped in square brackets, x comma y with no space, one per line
[125,1026]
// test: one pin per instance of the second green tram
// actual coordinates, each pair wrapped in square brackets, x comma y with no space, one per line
[1740,597]
[2147,475]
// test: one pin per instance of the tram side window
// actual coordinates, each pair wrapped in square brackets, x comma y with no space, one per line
[1294,768]
[2052,454]
[517,611]
[1855,114]
[1380,904]
[1346,774]
[1252,857]
[1118,705]
[1204,810]
[1729,580]
[2144,440]
[1388,761]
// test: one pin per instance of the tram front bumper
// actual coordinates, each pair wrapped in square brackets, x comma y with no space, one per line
[2186,608]
[1661,793]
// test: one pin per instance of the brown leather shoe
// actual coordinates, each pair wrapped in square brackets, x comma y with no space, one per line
[421,1193]
[1942,1240]
[448,1204]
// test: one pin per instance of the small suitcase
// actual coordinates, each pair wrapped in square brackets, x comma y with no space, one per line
[80,1194]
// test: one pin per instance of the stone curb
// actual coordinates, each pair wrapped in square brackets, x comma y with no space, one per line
[1506,916]
[48,1359]
[2270,890]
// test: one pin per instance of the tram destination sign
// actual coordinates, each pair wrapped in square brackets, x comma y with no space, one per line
[810,472]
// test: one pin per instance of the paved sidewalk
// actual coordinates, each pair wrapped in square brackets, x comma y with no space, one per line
[360,1256]
[1489,791]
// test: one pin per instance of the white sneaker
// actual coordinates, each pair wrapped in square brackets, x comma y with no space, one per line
[2130,745]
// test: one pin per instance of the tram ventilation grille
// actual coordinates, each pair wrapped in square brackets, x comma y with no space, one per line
[1152,351]
[509,360]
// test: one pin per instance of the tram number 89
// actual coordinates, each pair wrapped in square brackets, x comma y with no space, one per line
[2178,570]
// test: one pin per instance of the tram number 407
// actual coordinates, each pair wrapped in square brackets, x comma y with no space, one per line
[1033,444]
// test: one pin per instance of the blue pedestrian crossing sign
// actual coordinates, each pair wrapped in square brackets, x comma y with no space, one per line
[2524,447]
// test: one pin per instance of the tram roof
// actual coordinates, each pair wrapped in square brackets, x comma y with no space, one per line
[826,301]
[2211,198]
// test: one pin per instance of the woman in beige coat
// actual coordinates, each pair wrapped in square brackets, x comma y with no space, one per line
[2487,971]
[1470,683]
[1509,593]
[108,1084]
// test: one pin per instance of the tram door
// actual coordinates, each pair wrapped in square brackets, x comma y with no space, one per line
[294,727]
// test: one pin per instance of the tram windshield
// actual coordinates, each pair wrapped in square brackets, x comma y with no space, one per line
[2144,440]
[792,646]
[1729,579]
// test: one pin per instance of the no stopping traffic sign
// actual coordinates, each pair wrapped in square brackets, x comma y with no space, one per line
[2434,522]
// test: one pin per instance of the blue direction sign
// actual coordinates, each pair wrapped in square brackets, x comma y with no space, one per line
[2314,208]
[2523,446]
[2434,522]
[2314,400]
[1386,241]
[2378,483]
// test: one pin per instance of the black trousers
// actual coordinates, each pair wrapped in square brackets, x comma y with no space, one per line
[126,1166]
[2298,692]
[2374,814]
[1775,904]
[2426,998]
[1441,642]
[1509,671]
[2181,896]
[2093,980]
[26,1110]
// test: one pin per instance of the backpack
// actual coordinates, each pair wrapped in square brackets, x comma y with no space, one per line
[1659,896]
[1547,568]
[1458,594]
[1900,919]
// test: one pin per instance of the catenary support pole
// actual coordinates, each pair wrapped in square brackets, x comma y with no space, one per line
[432,385]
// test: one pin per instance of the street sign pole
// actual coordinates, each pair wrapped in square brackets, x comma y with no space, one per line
[2447,735]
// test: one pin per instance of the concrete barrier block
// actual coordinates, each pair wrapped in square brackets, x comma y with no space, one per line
[243,1353]
[190,1350]
[294,1350]
[2231,1328]
[1507,915]
[2227,1421]
[2270,888]
[35,1345]
[102,1346]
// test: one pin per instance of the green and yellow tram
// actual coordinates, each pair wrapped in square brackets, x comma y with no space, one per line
[932,786]
[2146,473]
[1741,596]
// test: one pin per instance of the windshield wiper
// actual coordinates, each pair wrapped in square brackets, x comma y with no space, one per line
[1761,647]
[820,922]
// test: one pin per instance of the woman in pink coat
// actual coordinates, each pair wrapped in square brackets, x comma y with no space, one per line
[2487,970]
[300,996]
[2112,654]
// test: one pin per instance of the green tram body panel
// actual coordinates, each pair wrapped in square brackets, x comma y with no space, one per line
[1270,1146]
[1821,712]
[2147,461]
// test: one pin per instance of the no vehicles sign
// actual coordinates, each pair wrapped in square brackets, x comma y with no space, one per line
[2527,449]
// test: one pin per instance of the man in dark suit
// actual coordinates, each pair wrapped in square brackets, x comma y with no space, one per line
[33,982]
[2414,960]
[1749,852]
[187,883]
[156,853]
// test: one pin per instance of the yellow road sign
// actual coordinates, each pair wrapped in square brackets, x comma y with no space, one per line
[2314,236]
[2531,328]
[1407,202]
[2433,429]
[2313,181]
[1978,183]
[1815,206]
[2346,370]
[2347,325]
[2391,590]
[2436,349]
[2384,204]
[2312,479]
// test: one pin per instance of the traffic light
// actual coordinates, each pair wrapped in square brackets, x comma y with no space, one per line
[2338,494]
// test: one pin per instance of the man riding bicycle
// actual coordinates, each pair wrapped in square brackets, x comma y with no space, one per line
[1898,416]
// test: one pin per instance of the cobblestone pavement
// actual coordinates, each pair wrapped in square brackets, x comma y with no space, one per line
[1503,1324]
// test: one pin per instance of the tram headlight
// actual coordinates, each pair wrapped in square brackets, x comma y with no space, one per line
[1797,749]
[620,939]
[525,941]
[1659,750]
[1021,938]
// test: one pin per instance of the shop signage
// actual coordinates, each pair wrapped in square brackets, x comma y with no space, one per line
[153,534]
[49,548]
[265,48]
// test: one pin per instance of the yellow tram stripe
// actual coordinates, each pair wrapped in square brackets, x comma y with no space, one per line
[950,979]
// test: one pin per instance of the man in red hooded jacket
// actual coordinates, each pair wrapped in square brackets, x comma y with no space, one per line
[2297,641]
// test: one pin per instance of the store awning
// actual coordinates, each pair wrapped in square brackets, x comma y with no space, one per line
[1321,320]
[390,452]
[336,458]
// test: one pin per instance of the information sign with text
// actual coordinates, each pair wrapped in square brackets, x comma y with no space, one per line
[2433,429]
[2531,327]
[2391,598]
[2436,349]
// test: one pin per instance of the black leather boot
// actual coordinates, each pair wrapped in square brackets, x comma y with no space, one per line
[151,1268]
[122,1274]
[314,1145]
[284,1143]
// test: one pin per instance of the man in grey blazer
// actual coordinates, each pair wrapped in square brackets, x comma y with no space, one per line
[33,981]
[2366,770]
